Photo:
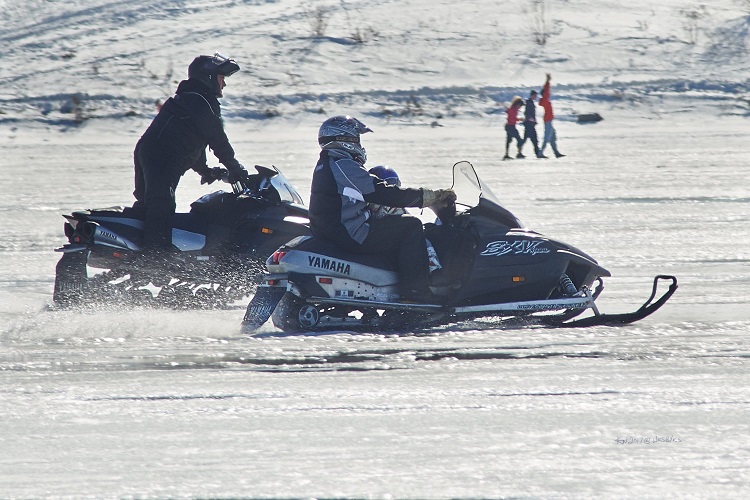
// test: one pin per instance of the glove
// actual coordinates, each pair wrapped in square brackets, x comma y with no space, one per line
[238,174]
[428,197]
[437,199]
[213,174]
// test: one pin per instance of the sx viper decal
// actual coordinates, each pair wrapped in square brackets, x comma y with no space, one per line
[515,247]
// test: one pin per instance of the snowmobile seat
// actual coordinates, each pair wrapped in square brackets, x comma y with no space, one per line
[330,249]
[116,211]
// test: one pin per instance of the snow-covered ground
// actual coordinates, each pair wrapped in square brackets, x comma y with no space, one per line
[155,403]
[418,59]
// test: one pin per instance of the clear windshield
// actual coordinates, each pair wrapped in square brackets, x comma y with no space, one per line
[286,191]
[469,187]
[472,192]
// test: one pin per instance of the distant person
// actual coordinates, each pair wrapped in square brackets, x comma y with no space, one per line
[176,142]
[529,126]
[341,192]
[550,135]
[511,131]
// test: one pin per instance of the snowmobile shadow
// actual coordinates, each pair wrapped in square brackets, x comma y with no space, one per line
[407,358]
[195,355]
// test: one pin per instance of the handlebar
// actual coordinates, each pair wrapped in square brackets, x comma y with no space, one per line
[239,186]
[264,184]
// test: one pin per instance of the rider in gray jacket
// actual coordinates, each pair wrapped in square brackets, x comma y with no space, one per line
[342,189]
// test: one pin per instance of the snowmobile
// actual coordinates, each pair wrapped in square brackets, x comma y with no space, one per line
[491,267]
[219,247]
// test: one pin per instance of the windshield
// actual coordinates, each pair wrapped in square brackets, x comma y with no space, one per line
[275,179]
[286,191]
[472,192]
[469,187]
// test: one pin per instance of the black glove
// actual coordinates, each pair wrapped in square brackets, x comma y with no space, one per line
[238,174]
[213,174]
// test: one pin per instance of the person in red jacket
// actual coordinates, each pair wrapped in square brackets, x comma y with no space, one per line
[550,135]
[511,132]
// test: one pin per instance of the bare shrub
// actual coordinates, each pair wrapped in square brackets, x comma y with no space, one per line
[318,19]
[364,35]
[75,105]
[692,19]
[359,35]
[540,23]
[170,72]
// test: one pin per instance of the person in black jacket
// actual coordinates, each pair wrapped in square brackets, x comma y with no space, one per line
[529,127]
[339,212]
[176,141]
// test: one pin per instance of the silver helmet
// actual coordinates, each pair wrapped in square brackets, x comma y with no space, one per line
[342,132]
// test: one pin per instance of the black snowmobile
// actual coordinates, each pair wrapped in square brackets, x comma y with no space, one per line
[492,267]
[220,247]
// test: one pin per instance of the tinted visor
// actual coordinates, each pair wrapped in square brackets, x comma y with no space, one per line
[224,65]
[337,138]
[392,181]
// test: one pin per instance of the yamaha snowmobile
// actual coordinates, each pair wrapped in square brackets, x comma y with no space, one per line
[491,267]
[220,246]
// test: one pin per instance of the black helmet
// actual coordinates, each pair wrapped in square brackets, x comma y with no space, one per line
[205,68]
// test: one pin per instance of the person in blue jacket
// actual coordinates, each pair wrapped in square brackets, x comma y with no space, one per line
[341,192]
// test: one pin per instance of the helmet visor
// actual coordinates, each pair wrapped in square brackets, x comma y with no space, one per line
[224,65]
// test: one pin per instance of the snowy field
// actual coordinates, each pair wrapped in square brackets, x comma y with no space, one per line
[123,403]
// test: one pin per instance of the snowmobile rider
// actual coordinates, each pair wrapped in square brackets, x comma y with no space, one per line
[176,141]
[340,193]
[390,177]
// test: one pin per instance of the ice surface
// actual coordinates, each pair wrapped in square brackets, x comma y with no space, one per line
[153,403]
